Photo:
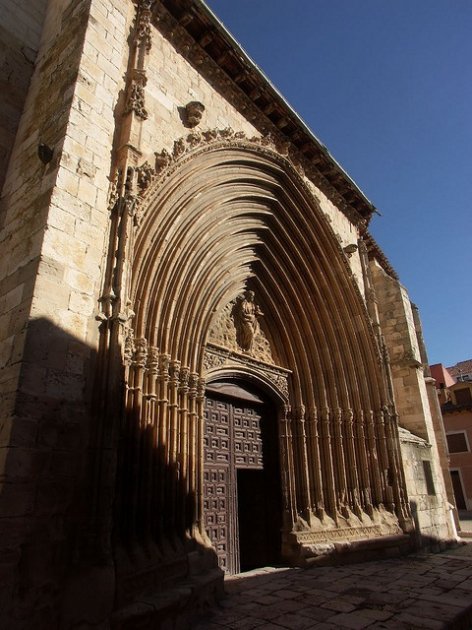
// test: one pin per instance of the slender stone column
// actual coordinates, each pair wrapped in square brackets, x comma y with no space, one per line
[328,471]
[196,400]
[136,435]
[150,436]
[340,470]
[373,450]
[163,378]
[173,420]
[184,455]
[317,498]
[303,483]
[352,464]
[362,458]
[287,470]
[385,462]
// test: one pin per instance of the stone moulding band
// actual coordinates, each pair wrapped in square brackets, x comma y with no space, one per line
[349,533]
[215,358]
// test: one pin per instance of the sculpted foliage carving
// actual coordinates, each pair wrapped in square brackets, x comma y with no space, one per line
[135,98]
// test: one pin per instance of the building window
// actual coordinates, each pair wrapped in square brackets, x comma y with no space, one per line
[428,475]
[463,396]
[457,442]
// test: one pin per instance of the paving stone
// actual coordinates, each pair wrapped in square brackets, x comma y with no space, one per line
[413,622]
[339,605]
[317,614]
[293,621]
[286,594]
[433,611]
[303,599]
[246,624]
[355,620]
[379,615]
[265,600]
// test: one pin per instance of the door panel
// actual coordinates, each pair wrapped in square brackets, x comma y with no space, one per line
[240,489]
[218,482]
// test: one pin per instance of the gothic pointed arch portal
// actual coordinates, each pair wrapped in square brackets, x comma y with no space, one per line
[222,217]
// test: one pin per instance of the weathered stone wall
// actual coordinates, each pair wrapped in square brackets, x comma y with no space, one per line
[20,32]
[426,506]
[346,233]
[54,225]
[398,328]
[172,83]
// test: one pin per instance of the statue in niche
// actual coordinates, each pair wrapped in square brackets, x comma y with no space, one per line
[245,314]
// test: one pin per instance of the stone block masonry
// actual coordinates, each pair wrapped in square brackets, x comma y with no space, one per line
[54,226]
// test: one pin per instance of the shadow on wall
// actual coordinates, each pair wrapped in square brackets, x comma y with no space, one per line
[58,525]
[43,495]
[425,542]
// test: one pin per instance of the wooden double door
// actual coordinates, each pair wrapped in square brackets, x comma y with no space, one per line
[241,479]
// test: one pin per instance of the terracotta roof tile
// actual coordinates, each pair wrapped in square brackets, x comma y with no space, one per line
[462,367]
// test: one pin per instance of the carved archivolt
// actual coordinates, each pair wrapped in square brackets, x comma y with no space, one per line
[148,179]
[218,214]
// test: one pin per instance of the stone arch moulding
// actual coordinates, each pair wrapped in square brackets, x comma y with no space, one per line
[220,214]
[271,380]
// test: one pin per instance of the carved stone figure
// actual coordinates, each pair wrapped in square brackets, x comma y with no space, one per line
[245,314]
[194,112]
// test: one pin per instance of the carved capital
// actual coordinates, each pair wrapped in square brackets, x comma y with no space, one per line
[140,353]
[129,347]
[184,379]
[193,384]
[174,371]
[201,384]
[164,360]
[153,360]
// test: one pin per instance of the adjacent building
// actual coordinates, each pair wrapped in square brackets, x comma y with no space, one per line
[455,395]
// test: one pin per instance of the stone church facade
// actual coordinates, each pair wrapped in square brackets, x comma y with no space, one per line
[207,363]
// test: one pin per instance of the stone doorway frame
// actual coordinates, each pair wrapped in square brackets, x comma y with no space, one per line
[221,364]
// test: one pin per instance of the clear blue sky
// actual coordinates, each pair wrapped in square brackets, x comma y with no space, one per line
[386,85]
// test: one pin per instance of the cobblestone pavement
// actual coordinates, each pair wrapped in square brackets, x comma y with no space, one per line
[420,591]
